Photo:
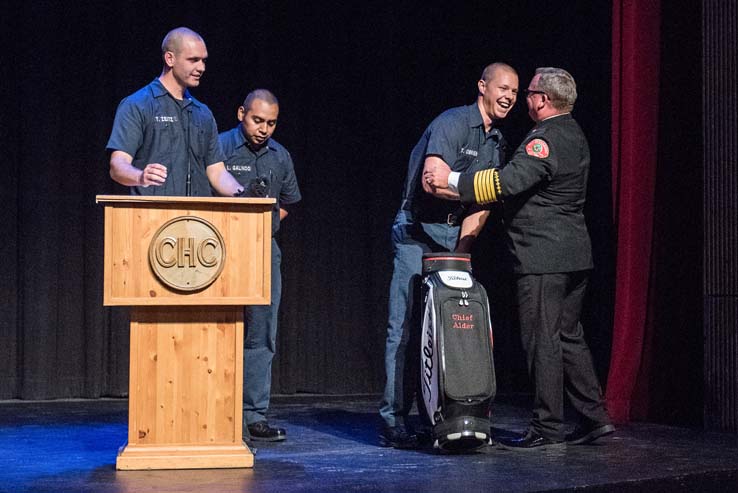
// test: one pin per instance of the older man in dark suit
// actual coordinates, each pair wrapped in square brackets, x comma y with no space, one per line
[543,188]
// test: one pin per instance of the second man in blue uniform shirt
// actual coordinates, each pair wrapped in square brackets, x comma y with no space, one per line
[265,169]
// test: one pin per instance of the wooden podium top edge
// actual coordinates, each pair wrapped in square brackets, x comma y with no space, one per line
[182,200]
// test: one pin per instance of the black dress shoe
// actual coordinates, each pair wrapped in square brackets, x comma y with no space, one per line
[262,432]
[530,441]
[587,434]
[398,437]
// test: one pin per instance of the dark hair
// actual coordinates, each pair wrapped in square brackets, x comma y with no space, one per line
[263,94]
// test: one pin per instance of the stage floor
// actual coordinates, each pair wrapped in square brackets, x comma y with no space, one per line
[71,446]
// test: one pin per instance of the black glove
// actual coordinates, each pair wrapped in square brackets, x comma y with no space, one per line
[259,187]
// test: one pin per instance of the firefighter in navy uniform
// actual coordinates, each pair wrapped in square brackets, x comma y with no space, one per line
[430,220]
[543,190]
[164,141]
[265,169]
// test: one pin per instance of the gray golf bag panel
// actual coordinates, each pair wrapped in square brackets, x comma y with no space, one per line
[457,366]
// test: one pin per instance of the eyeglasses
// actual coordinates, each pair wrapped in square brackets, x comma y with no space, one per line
[530,92]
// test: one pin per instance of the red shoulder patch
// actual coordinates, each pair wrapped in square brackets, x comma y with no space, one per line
[537,148]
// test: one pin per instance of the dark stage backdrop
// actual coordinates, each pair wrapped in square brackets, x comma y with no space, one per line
[357,82]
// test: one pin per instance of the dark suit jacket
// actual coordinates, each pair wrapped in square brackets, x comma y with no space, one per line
[543,189]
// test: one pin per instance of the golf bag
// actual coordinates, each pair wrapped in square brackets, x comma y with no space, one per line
[456,364]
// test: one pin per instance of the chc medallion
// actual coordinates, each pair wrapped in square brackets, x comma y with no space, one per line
[187,253]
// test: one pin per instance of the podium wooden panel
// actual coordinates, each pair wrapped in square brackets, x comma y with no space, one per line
[186,370]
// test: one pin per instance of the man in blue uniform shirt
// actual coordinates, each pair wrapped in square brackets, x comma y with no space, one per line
[164,141]
[430,220]
[543,189]
[264,169]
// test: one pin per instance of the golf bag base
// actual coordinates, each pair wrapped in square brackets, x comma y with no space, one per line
[462,434]
[457,368]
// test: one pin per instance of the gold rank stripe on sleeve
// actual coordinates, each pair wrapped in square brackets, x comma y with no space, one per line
[487,187]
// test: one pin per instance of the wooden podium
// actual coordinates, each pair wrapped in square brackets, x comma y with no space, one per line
[186,266]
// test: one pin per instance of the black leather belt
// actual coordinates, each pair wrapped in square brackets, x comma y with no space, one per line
[450,219]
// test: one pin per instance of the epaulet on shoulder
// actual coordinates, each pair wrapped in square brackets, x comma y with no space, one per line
[538,132]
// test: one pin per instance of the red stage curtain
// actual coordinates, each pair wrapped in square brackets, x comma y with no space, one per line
[635,87]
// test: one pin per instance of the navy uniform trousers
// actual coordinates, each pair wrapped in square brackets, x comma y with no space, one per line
[549,306]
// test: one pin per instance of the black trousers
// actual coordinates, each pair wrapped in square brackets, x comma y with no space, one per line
[559,361]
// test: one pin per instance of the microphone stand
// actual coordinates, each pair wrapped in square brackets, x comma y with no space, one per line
[188,182]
